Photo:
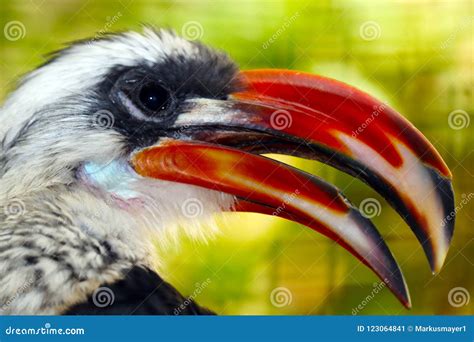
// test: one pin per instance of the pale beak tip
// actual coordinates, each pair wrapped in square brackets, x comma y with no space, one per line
[408,303]
[436,233]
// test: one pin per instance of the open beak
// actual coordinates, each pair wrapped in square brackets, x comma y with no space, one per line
[216,144]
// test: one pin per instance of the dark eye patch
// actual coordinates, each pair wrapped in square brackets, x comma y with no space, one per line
[136,94]
[143,97]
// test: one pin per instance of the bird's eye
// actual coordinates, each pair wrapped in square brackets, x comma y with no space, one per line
[143,97]
[153,97]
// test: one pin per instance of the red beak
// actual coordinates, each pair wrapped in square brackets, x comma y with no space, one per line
[313,117]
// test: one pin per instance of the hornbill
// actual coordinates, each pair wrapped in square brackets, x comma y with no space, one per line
[104,145]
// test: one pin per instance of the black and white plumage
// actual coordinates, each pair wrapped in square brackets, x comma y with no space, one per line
[85,191]
[140,292]
[75,231]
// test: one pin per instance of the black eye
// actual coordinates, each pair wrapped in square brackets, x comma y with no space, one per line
[142,96]
[154,97]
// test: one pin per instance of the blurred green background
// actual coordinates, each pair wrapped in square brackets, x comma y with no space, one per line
[416,55]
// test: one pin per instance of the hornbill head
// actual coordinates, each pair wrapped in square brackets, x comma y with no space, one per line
[113,135]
